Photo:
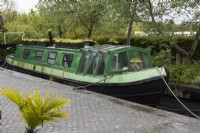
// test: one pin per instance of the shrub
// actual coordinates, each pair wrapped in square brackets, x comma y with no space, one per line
[186,74]
[36,111]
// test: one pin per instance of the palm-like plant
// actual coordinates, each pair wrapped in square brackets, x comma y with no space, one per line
[36,111]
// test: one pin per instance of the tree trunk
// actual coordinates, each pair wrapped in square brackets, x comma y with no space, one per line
[151,11]
[129,31]
[2,25]
[60,31]
[150,7]
[177,59]
[131,23]
[90,32]
[193,47]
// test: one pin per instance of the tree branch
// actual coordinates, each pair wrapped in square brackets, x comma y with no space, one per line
[151,11]
[181,51]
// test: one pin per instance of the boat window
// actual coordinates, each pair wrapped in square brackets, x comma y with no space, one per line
[26,53]
[38,55]
[139,61]
[52,57]
[67,60]
[102,64]
[83,62]
[120,61]
[93,63]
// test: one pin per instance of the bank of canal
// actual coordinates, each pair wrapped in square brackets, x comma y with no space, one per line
[169,103]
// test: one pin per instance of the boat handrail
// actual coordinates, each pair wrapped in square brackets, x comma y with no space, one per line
[23,34]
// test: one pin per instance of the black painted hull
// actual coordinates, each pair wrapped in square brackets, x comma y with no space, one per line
[2,62]
[148,92]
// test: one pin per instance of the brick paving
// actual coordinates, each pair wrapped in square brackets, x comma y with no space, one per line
[90,112]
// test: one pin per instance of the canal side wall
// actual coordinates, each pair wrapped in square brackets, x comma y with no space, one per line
[190,92]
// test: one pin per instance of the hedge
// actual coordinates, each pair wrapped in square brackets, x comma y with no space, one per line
[185,74]
[156,43]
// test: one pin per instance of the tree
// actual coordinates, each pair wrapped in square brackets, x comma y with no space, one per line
[127,11]
[58,15]
[2,25]
[191,10]
[36,111]
[89,14]
[32,24]
[68,15]
[7,6]
[144,11]
[132,13]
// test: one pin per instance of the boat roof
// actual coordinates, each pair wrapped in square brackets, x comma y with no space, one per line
[106,48]
[100,48]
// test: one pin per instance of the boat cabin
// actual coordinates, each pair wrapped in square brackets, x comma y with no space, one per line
[109,59]
[97,60]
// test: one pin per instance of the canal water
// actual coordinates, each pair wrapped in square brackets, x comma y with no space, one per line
[169,103]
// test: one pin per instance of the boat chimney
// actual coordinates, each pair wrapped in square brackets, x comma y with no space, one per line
[50,37]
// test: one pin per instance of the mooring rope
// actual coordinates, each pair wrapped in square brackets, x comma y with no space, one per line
[84,87]
[193,114]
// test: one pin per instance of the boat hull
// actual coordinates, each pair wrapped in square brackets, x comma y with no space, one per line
[148,92]
[1,62]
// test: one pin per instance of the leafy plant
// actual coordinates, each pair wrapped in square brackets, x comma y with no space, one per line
[36,111]
[162,57]
[186,74]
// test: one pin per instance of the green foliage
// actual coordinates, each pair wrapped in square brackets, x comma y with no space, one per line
[4,52]
[155,42]
[59,40]
[75,19]
[58,16]
[186,74]
[89,14]
[36,111]
[13,38]
[31,24]
[163,57]
[37,40]
[1,39]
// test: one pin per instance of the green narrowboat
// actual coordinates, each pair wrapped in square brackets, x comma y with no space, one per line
[124,72]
